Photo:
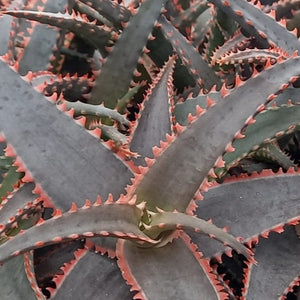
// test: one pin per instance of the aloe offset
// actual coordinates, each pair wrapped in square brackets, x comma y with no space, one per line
[164,114]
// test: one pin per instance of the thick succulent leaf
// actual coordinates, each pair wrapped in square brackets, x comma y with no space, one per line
[14,283]
[239,204]
[92,271]
[166,221]
[119,220]
[278,252]
[201,26]
[155,121]
[117,71]
[183,109]
[19,200]
[183,274]
[269,124]
[86,109]
[271,153]
[263,26]
[188,168]
[52,146]
[190,56]
[112,11]
[37,58]
[248,56]
[91,33]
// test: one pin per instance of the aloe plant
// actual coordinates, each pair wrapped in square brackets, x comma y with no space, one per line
[129,132]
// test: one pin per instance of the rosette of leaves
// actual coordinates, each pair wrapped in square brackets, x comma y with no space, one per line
[156,134]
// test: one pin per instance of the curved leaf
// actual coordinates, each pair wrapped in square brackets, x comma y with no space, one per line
[250,206]
[183,273]
[89,32]
[105,220]
[57,151]
[165,221]
[92,271]
[278,252]
[155,121]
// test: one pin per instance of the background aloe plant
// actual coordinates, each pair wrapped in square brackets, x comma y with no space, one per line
[183,116]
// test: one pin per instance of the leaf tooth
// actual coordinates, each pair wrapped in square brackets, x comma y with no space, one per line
[191,207]
[27,177]
[220,163]
[199,196]
[87,204]
[204,185]
[19,164]
[15,66]
[54,98]
[156,151]
[2,137]
[229,147]
[271,97]
[212,173]
[250,121]
[81,121]
[73,236]
[160,210]
[2,227]
[261,108]
[210,102]
[57,239]
[224,91]
[70,112]
[88,234]
[40,222]
[170,138]
[16,253]
[265,234]
[149,161]
[110,199]
[9,151]
[39,244]
[293,221]
[62,106]
[73,208]
[163,144]
[239,135]
[96,132]
[179,128]
[279,228]
[142,169]
[57,213]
